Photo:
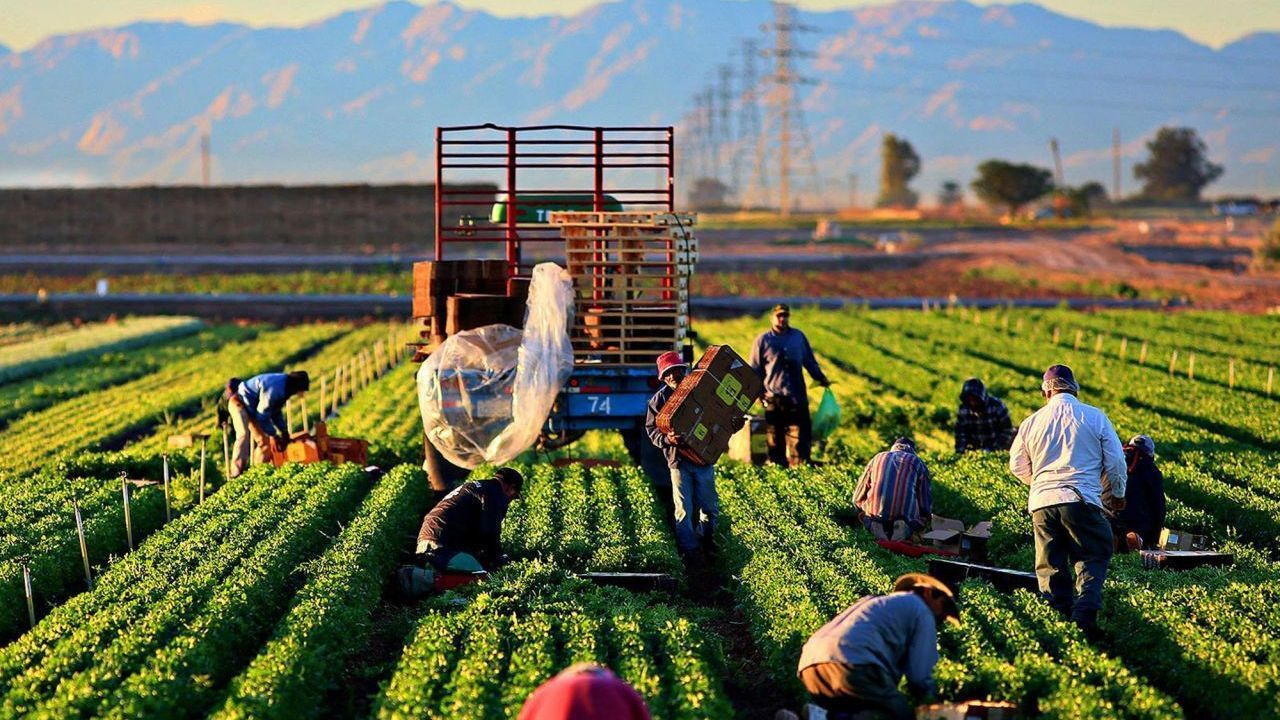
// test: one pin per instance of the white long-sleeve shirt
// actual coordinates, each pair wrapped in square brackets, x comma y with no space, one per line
[1065,451]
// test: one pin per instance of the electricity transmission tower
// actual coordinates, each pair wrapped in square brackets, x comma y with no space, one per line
[748,121]
[783,109]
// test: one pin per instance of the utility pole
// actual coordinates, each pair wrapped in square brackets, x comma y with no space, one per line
[1115,164]
[204,159]
[1057,163]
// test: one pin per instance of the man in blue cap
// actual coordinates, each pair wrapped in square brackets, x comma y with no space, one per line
[1067,451]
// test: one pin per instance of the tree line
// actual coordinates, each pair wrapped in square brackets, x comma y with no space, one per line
[1176,169]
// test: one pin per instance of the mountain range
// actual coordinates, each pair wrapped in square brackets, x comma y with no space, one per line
[355,97]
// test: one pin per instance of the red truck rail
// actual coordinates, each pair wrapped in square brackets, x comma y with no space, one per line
[542,166]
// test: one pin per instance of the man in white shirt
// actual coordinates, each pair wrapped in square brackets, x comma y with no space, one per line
[1067,452]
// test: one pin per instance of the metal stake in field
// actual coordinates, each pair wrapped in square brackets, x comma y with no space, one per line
[1055,334]
[1079,337]
[1097,346]
[1271,374]
[168,512]
[1173,361]
[1191,367]
[1124,346]
[322,388]
[26,586]
[204,445]
[1231,373]
[1142,355]
[84,546]
[128,513]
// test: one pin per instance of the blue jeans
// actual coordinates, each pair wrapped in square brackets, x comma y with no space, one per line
[693,491]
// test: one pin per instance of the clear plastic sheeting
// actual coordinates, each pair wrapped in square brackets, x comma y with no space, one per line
[485,393]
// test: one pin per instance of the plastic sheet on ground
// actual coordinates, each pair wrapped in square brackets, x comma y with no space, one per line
[485,393]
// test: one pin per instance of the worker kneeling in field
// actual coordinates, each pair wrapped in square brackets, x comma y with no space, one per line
[894,494]
[585,691]
[463,532]
[693,485]
[854,662]
[780,355]
[1066,451]
[1136,520]
[982,421]
[256,407]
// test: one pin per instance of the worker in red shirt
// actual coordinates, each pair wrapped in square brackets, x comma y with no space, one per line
[584,692]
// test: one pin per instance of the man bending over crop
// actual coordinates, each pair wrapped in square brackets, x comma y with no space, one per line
[982,421]
[256,407]
[894,494]
[462,533]
[853,663]
[1064,451]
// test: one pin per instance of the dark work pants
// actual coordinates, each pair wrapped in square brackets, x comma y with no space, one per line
[1072,534]
[789,433]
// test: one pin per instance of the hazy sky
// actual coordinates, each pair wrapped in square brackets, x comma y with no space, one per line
[24,22]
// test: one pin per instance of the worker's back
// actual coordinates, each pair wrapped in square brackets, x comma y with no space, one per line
[1065,447]
[466,517]
[890,631]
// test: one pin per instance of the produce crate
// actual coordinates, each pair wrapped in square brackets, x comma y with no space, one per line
[708,404]
[1184,559]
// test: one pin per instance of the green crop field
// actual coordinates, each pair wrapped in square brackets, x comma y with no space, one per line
[273,597]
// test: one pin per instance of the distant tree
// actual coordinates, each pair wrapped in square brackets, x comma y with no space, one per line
[1176,168]
[951,194]
[1011,184]
[708,194]
[1081,200]
[898,164]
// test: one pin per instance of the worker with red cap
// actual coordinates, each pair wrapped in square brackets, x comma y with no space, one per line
[584,692]
[693,485]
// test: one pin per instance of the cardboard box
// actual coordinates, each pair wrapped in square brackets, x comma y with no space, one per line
[709,402]
[1179,540]
[432,283]
[976,710]
[466,312]
[1184,559]
[952,535]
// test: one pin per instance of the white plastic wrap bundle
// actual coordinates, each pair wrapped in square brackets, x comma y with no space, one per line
[486,393]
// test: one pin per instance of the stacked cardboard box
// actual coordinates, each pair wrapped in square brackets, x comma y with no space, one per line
[710,402]
[951,535]
[1180,540]
[454,295]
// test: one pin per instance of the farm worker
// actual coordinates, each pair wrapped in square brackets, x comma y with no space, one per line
[982,421]
[462,533]
[693,485]
[1138,523]
[894,494]
[853,663]
[256,407]
[780,355]
[1066,451]
[585,691]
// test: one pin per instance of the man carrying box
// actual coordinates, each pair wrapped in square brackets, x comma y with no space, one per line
[894,494]
[693,484]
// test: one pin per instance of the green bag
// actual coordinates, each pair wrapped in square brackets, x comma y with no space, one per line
[827,418]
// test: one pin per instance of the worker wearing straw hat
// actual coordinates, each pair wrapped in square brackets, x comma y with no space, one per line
[854,662]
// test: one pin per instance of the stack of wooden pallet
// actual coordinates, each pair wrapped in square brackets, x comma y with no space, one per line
[454,295]
[631,273]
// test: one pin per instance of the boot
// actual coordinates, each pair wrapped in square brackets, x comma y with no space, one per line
[1087,621]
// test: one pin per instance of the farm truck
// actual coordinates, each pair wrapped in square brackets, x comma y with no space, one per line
[598,200]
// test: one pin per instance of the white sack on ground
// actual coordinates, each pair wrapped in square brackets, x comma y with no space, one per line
[486,393]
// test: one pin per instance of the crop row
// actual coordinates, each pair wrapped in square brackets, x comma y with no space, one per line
[110,368]
[49,352]
[91,421]
[295,672]
[170,624]
[600,519]
[531,621]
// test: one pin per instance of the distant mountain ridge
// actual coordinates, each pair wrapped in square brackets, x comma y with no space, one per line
[355,97]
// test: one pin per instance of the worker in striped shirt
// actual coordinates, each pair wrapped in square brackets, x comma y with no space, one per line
[894,495]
